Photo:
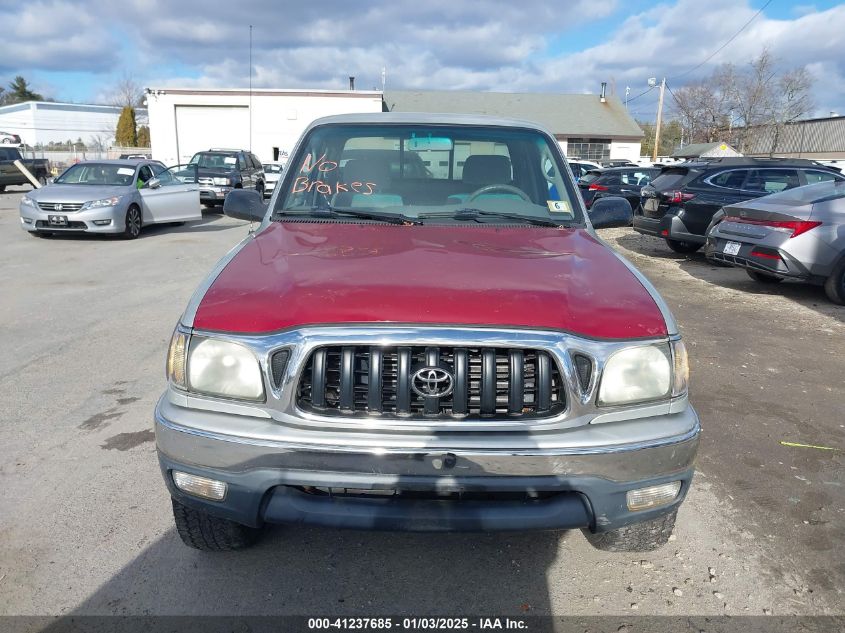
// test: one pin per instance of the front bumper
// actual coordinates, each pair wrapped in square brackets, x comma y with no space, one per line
[669,227]
[35,220]
[582,486]
[213,194]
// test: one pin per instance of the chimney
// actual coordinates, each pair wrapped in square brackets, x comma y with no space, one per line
[352,83]
[603,97]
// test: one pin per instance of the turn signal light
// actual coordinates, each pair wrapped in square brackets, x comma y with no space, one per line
[653,496]
[200,486]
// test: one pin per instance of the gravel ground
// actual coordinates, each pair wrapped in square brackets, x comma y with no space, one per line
[85,525]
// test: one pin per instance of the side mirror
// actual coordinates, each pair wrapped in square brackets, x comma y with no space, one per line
[153,183]
[244,204]
[610,212]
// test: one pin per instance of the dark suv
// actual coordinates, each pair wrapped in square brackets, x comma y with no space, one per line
[221,170]
[626,182]
[680,203]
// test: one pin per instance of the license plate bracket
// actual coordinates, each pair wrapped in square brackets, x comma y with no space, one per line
[732,248]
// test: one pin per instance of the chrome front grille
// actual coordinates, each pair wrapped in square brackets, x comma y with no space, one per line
[487,383]
[206,182]
[60,207]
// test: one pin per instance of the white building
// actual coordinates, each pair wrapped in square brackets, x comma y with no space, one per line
[43,122]
[268,122]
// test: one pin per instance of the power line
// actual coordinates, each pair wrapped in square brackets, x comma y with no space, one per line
[641,94]
[733,37]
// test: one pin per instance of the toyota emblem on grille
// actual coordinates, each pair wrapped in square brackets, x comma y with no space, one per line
[432,382]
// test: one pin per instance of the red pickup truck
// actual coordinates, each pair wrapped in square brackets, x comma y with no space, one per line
[426,333]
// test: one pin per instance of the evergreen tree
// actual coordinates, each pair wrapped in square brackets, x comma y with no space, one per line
[126,134]
[143,136]
[19,92]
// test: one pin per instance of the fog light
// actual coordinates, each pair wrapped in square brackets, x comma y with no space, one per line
[200,486]
[27,220]
[102,222]
[653,496]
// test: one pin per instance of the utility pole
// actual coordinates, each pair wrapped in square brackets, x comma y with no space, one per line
[659,121]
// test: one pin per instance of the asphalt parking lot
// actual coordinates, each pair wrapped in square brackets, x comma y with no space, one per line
[85,523]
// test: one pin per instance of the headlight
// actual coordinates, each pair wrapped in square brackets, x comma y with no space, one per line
[221,181]
[98,204]
[637,374]
[28,202]
[221,368]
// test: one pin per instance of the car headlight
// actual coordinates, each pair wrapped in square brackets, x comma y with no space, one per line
[28,202]
[99,204]
[638,374]
[214,367]
[221,181]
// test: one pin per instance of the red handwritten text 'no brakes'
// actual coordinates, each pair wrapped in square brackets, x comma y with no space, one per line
[304,183]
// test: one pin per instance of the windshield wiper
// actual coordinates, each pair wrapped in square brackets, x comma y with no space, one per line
[475,214]
[332,212]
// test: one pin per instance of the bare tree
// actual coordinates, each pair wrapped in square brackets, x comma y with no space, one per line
[127,92]
[762,99]
[790,101]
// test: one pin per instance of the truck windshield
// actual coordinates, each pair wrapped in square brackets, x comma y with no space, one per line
[430,171]
[98,174]
[209,160]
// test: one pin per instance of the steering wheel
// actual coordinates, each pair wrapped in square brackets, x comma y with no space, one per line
[507,188]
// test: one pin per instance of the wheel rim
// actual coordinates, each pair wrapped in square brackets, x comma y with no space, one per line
[133,221]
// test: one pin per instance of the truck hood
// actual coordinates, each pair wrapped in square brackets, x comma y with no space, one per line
[298,273]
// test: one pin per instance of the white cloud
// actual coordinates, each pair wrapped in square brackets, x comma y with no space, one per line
[438,44]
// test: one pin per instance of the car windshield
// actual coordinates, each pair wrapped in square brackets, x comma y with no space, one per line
[98,174]
[419,171]
[214,160]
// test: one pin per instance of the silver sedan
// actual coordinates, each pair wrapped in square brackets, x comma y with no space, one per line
[109,196]
[795,234]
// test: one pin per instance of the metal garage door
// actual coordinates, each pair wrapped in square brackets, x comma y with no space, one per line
[201,127]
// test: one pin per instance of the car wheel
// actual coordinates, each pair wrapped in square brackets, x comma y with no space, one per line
[763,278]
[679,246]
[260,189]
[639,537]
[132,228]
[835,284]
[7,141]
[2,188]
[208,533]
[42,180]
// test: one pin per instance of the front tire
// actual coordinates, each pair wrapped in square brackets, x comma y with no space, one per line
[208,533]
[132,225]
[679,246]
[638,537]
[763,278]
[835,284]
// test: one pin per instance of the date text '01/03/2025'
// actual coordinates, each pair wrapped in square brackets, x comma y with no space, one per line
[303,184]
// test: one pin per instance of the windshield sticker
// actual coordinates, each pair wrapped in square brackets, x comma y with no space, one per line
[125,171]
[230,160]
[560,207]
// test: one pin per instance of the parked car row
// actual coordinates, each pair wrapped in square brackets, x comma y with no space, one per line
[777,218]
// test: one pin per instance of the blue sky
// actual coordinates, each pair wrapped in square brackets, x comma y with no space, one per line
[77,50]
